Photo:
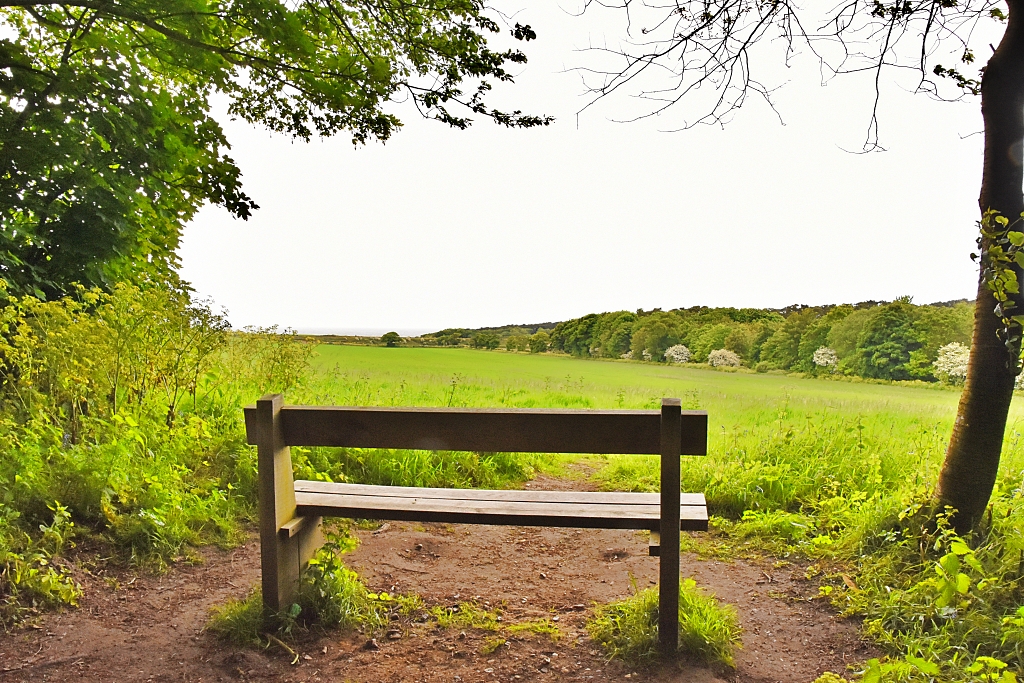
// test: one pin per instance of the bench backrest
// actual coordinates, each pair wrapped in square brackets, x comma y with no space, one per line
[484,430]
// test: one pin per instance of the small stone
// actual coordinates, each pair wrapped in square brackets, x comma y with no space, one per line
[543,575]
[371,645]
[394,634]
[554,618]
[462,635]
[543,669]
[488,670]
[306,657]
[419,546]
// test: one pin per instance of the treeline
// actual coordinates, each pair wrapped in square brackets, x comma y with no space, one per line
[894,340]
[486,337]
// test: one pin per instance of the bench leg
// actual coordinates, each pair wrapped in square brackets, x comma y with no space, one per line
[668,586]
[282,553]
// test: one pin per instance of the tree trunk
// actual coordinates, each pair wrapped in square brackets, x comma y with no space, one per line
[972,460]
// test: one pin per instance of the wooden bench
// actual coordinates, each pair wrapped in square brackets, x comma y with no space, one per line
[291,511]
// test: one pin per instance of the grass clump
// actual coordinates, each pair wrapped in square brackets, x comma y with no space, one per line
[628,629]
[465,615]
[537,626]
[240,622]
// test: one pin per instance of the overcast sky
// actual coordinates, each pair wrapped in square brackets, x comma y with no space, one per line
[445,228]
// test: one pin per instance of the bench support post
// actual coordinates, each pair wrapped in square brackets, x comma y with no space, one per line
[668,586]
[282,553]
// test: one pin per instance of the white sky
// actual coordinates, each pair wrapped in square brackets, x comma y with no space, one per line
[445,228]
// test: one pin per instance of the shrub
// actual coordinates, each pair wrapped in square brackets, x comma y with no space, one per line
[391,339]
[628,629]
[677,354]
[824,357]
[723,358]
[951,363]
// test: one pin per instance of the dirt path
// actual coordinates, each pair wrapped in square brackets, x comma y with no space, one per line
[137,628]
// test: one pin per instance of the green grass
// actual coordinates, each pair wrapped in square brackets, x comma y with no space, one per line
[628,629]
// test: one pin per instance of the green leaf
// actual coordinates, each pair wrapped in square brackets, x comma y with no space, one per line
[873,672]
[958,547]
[963,583]
[1016,238]
[924,666]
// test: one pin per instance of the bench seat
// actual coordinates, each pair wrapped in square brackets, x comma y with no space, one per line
[580,509]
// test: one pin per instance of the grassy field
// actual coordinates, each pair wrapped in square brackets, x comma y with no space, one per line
[899,430]
[840,472]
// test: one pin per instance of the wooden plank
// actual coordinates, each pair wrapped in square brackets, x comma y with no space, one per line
[487,430]
[617,497]
[668,556]
[292,527]
[278,554]
[509,513]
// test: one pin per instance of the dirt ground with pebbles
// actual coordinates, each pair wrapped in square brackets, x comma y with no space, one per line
[141,628]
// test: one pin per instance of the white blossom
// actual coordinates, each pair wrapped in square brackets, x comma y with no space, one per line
[825,357]
[951,364]
[646,354]
[677,354]
[723,358]
[628,355]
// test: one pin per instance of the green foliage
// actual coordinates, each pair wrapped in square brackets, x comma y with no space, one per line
[331,594]
[108,144]
[125,408]
[897,341]
[628,629]
[887,345]
[390,339]
[486,340]
[539,342]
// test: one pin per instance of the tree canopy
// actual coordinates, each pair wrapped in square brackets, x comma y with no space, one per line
[107,142]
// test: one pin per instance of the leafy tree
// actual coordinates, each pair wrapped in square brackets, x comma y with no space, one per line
[653,335]
[887,342]
[816,337]
[782,349]
[692,48]
[539,341]
[575,337]
[486,340]
[517,342]
[391,339]
[107,146]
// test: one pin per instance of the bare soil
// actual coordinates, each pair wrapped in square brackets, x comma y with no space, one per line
[136,627]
